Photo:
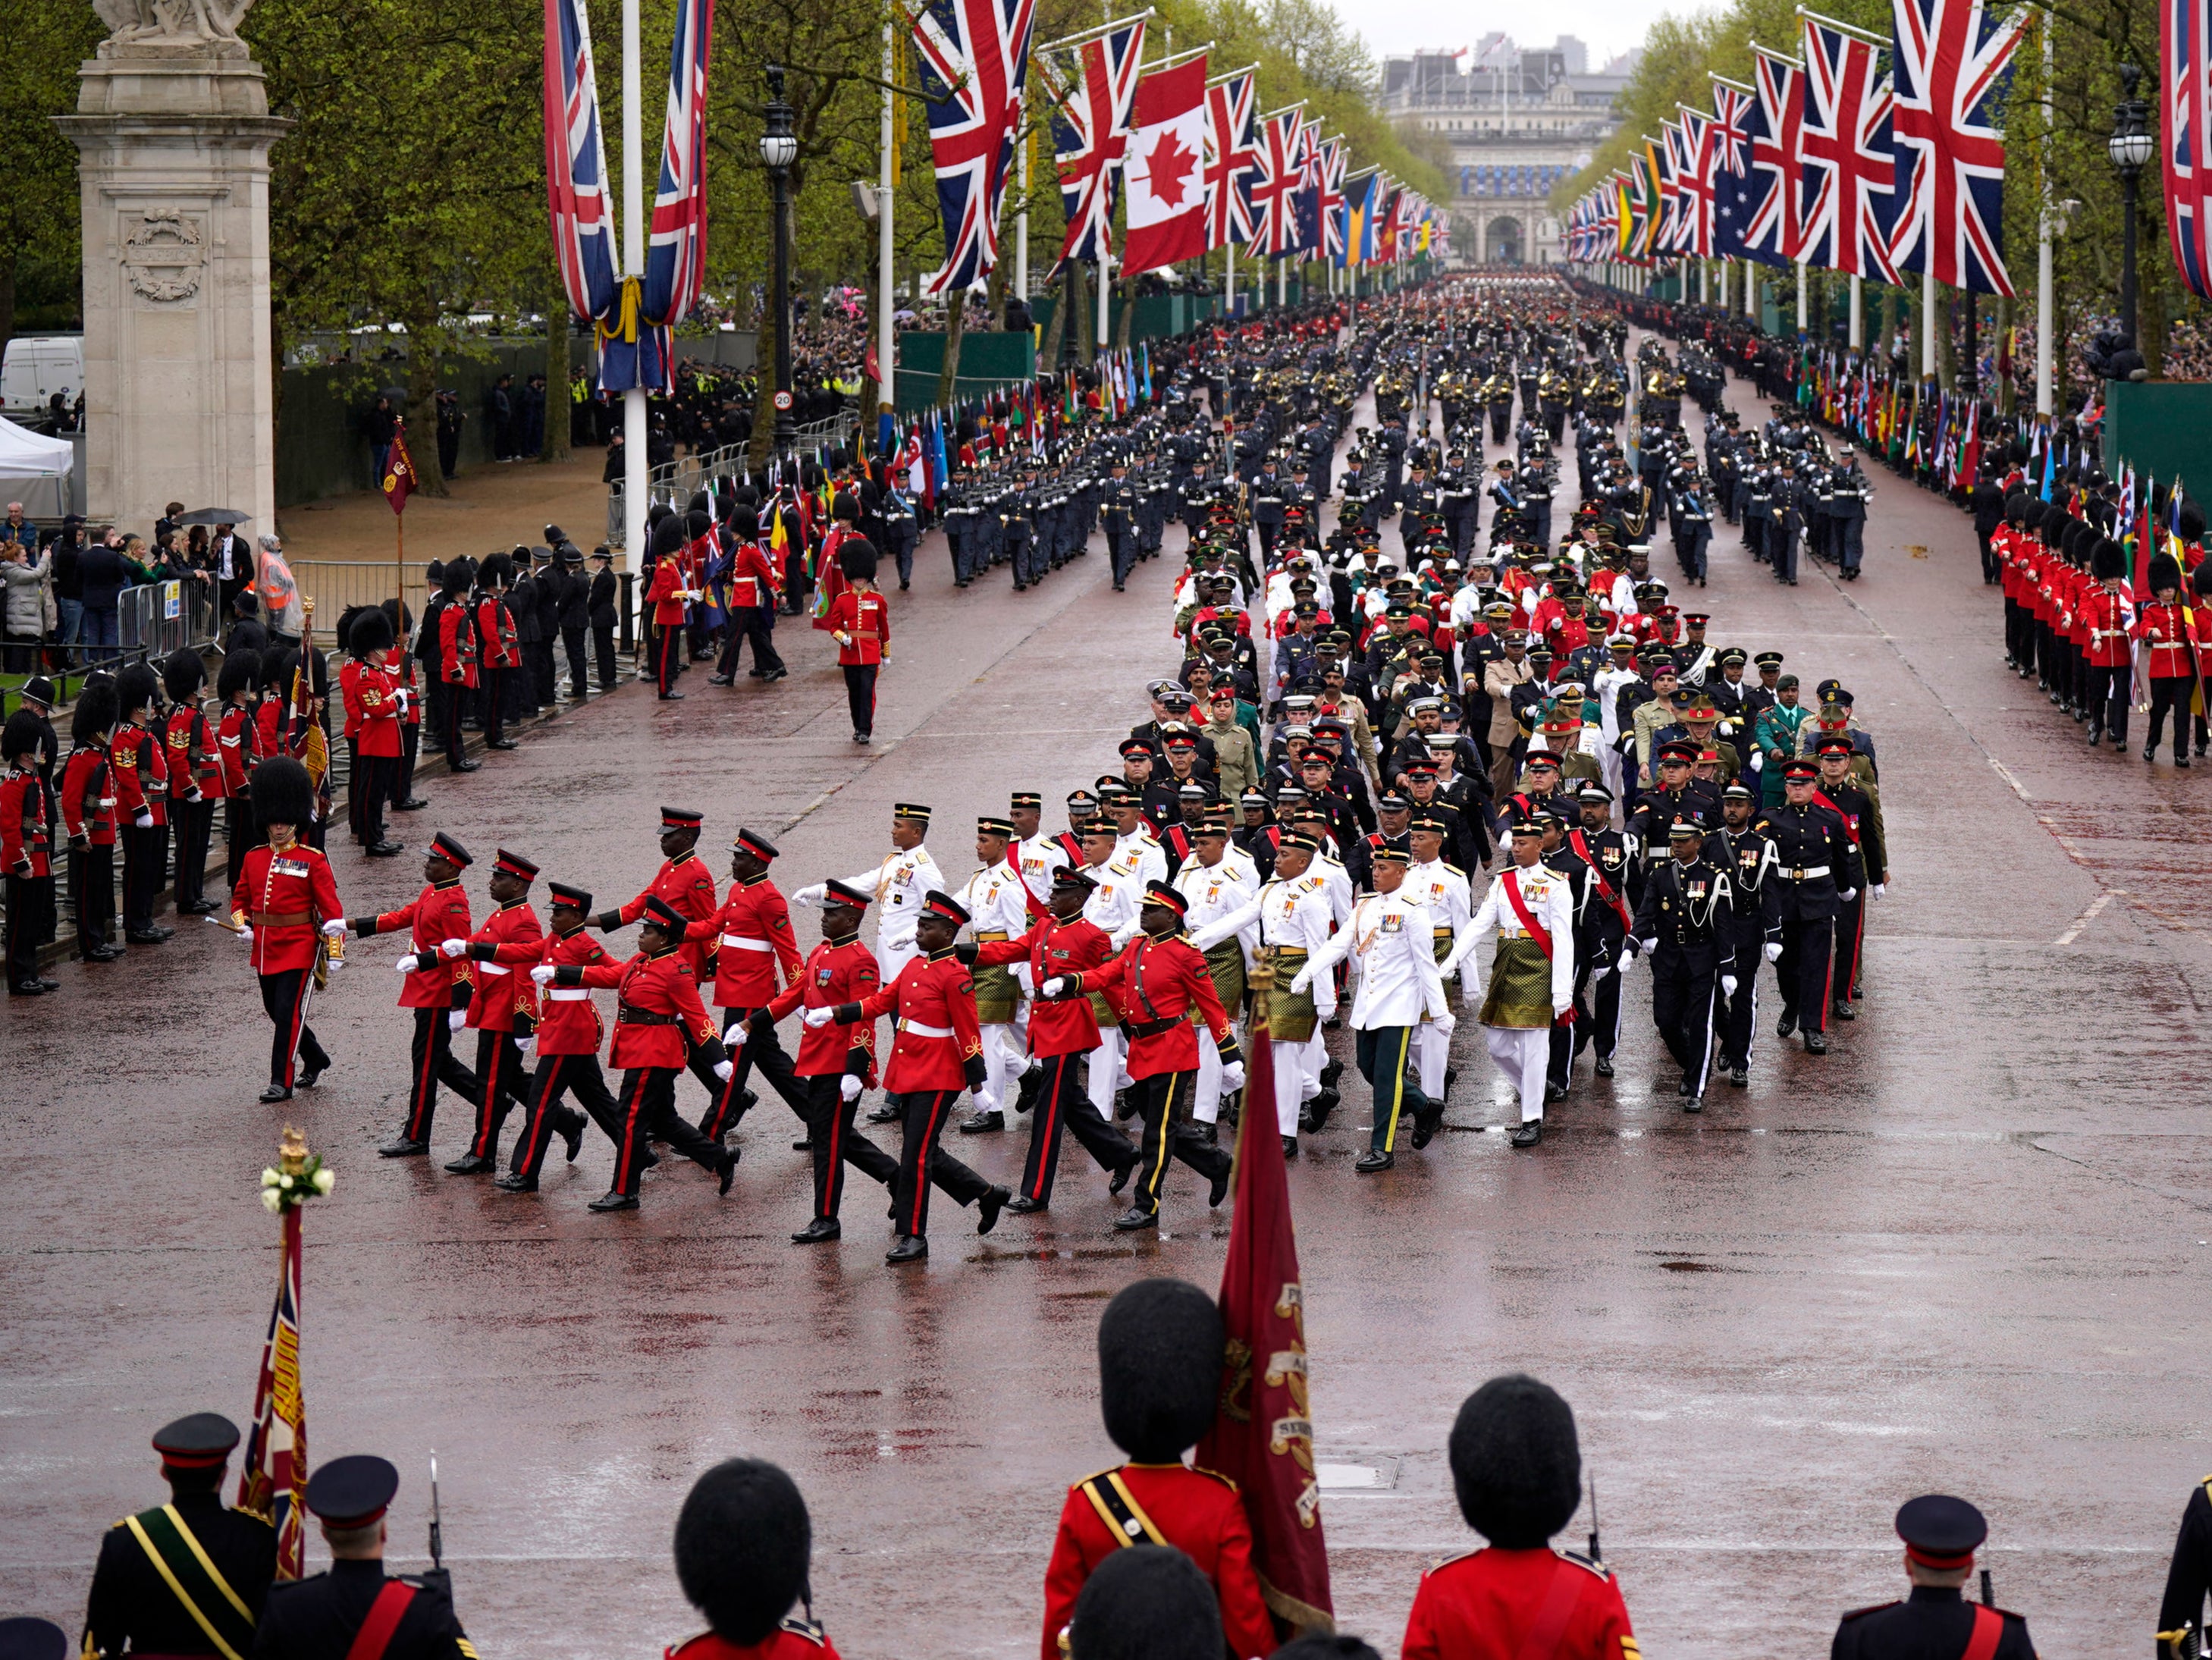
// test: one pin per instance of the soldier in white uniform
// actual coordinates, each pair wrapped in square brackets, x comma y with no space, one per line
[998,911]
[1134,838]
[1442,889]
[1529,911]
[1291,912]
[1214,889]
[1388,936]
[1116,904]
[900,883]
[1036,855]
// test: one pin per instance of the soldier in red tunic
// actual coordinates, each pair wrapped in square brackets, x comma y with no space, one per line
[284,897]
[457,660]
[195,780]
[859,620]
[658,1023]
[743,1544]
[1060,1034]
[1160,1345]
[499,652]
[937,1051]
[502,1007]
[567,1040]
[751,940]
[2169,657]
[86,806]
[237,741]
[26,850]
[436,987]
[686,886]
[666,596]
[1158,981]
[835,1061]
[377,704]
[1517,1470]
[138,765]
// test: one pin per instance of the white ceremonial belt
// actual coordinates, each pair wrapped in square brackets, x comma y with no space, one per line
[920,1030]
[746,942]
[1807,873]
[568,994]
[494,968]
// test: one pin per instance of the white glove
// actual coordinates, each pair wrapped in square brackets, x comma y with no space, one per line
[528,1045]
[408,963]
[1848,895]
[1232,1077]
[810,895]
[1648,945]
[735,1037]
[1561,1005]
[334,928]
[1302,979]
[723,1069]
[1727,984]
[816,1017]
[453,947]
[144,820]
[1444,1023]
[456,1019]
[544,974]
[1054,986]
[849,1087]
[1774,950]
[984,1100]
[245,933]
[1879,889]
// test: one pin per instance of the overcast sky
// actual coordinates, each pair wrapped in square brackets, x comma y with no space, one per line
[1610,26]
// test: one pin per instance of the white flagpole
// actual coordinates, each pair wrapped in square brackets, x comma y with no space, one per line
[1858,314]
[886,190]
[1229,285]
[633,465]
[1927,309]
[2044,320]
[1801,297]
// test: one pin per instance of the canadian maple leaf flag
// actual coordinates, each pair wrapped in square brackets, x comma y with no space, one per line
[1165,168]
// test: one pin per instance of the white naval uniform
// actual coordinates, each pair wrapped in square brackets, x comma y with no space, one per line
[1214,891]
[1523,1054]
[899,884]
[1290,911]
[1442,889]
[1388,936]
[995,903]
[1153,857]
[1115,905]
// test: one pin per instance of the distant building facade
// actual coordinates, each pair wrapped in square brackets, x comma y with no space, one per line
[1519,120]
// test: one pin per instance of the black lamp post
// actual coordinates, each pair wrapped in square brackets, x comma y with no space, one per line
[779,149]
[2130,147]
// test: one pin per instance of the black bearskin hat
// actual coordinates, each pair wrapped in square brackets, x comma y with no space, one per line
[856,556]
[2189,522]
[184,674]
[454,579]
[372,630]
[668,537]
[497,571]
[281,794]
[1160,1346]
[2165,573]
[97,710]
[136,688]
[24,734]
[2200,579]
[1515,1462]
[2106,560]
[1146,1602]
[239,670]
[743,1541]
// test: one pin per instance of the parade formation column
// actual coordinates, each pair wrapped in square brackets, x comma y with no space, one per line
[173,132]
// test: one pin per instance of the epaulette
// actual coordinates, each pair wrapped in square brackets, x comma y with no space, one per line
[1582,1560]
[1227,1481]
[1076,1485]
[807,1630]
[1872,1608]
[1440,1565]
[296,1585]
[1453,868]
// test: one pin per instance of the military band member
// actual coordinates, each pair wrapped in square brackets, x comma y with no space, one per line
[186,1577]
[899,884]
[1157,982]
[1159,1364]
[355,1611]
[285,903]
[1388,936]
[1940,1536]
[1530,913]
[434,985]
[936,1052]
[835,1061]
[568,1042]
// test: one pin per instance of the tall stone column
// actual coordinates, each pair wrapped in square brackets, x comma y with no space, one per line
[173,132]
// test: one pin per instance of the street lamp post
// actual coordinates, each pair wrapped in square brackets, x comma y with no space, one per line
[2129,148]
[779,149]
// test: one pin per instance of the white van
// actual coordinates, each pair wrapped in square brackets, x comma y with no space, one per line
[37,366]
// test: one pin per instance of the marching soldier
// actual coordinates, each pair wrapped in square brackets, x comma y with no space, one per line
[1000,905]
[1819,869]
[1859,805]
[898,885]
[1683,924]
[503,1006]
[284,899]
[686,886]
[436,987]
[751,939]
[1530,913]
[1753,926]
[186,1577]
[567,1041]
[1605,911]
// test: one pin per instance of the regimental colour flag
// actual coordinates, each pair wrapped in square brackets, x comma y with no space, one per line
[1167,169]
[1095,91]
[973,57]
[1952,64]
[1850,168]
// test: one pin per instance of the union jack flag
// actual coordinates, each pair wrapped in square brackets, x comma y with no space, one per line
[2185,36]
[1736,107]
[1277,178]
[1694,184]
[1094,94]
[1774,227]
[1844,148]
[1666,172]
[1333,159]
[1951,62]
[1231,153]
[576,164]
[676,257]
[1306,204]
[973,57]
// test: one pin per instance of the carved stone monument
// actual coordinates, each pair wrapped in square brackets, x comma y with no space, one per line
[173,132]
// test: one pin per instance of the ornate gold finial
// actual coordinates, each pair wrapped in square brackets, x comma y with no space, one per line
[292,1152]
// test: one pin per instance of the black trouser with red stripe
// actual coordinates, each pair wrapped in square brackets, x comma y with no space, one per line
[1061,1105]
[667,641]
[646,1111]
[285,996]
[501,1081]
[195,830]
[837,1144]
[922,1161]
[763,1050]
[142,876]
[559,1075]
[432,1055]
[1805,969]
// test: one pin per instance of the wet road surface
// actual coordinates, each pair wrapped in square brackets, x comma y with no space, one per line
[1968,1251]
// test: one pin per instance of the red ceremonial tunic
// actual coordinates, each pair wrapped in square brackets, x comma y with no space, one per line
[863,623]
[835,973]
[937,1033]
[569,1022]
[658,1016]
[24,847]
[495,627]
[195,771]
[142,778]
[1061,1025]
[686,886]
[1155,982]
[662,596]
[2165,631]
[2105,627]
[376,693]
[88,797]
[439,913]
[1484,1606]
[457,644]
[751,936]
[1196,1511]
[285,898]
[510,937]
[795,1639]
[350,696]
[237,742]
[752,578]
